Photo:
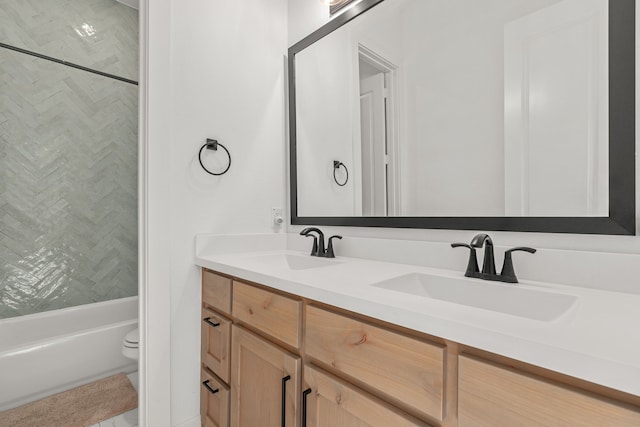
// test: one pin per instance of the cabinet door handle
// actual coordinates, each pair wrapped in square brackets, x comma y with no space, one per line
[284,399]
[208,387]
[208,320]
[304,406]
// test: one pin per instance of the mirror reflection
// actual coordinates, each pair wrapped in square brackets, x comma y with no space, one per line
[456,108]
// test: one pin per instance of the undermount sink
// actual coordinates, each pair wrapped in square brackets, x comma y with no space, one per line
[498,297]
[294,262]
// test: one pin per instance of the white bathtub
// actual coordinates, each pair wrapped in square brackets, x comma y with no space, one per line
[45,353]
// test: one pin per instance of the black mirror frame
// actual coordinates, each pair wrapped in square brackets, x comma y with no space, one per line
[622,170]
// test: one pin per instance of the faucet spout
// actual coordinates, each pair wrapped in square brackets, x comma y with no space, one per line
[318,250]
[489,263]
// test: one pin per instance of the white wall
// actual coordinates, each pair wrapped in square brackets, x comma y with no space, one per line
[154,214]
[223,64]
[306,19]
[227,83]
[303,17]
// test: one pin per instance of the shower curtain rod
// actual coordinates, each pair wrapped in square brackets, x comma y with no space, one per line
[68,64]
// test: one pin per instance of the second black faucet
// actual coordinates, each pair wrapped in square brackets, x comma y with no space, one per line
[488,272]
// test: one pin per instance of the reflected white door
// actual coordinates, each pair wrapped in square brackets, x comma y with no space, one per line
[556,111]
[374,147]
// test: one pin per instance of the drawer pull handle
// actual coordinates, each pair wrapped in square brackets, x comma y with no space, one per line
[211,390]
[284,399]
[208,320]
[304,406]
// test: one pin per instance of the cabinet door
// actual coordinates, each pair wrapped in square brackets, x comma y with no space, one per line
[329,402]
[216,333]
[265,383]
[214,401]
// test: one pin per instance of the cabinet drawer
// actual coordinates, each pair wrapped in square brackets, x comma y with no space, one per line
[216,336]
[214,401]
[216,291]
[271,313]
[407,371]
[335,403]
[492,395]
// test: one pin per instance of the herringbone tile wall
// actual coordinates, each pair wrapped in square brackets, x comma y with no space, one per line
[68,176]
[99,34]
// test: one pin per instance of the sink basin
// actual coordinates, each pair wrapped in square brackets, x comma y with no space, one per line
[293,262]
[503,298]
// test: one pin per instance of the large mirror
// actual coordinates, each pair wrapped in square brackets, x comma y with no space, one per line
[467,114]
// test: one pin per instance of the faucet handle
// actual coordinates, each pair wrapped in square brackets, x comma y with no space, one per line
[521,248]
[329,253]
[472,265]
[461,245]
[508,274]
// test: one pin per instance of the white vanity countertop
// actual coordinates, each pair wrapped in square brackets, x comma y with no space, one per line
[597,340]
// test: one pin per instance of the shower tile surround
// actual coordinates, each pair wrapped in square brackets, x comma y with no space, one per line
[68,156]
[98,34]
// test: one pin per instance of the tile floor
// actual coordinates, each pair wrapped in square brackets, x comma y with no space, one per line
[128,419]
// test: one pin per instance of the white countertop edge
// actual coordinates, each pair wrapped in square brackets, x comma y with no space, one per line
[587,367]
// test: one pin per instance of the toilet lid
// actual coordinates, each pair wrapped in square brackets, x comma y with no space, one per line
[132,339]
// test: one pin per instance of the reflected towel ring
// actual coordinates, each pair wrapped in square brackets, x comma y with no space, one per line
[336,166]
[213,144]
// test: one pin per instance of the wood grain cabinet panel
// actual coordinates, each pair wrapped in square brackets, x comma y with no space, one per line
[260,371]
[271,313]
[214,401]
[216,341]
[334,403]
[493,395]
[408,371]
[216,291]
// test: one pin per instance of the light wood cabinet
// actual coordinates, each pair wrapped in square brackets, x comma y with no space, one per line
[216,291]
[407,371]
[271,313]
[265,383]
[364,372]
[215,332]
[214,401]
[492,395]
[216,340]
[330,402]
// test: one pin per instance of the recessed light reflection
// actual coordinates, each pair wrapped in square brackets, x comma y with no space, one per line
[85,30]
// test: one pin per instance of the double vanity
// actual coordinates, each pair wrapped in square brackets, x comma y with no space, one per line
[294,340]
[503,115]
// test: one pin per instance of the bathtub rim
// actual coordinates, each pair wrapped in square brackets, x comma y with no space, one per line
[67,332]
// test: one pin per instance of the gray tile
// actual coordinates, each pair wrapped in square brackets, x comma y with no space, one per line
[100,34]
[68,180]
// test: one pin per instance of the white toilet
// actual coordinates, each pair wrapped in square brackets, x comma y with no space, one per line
[131,344]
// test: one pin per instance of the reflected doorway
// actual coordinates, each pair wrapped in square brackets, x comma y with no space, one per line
[378,149]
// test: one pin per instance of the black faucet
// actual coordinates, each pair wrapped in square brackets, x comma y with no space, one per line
[329,252]
[472,264]
[508,274]
[488,272]
[318,248]
[489,263]
[318,243]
